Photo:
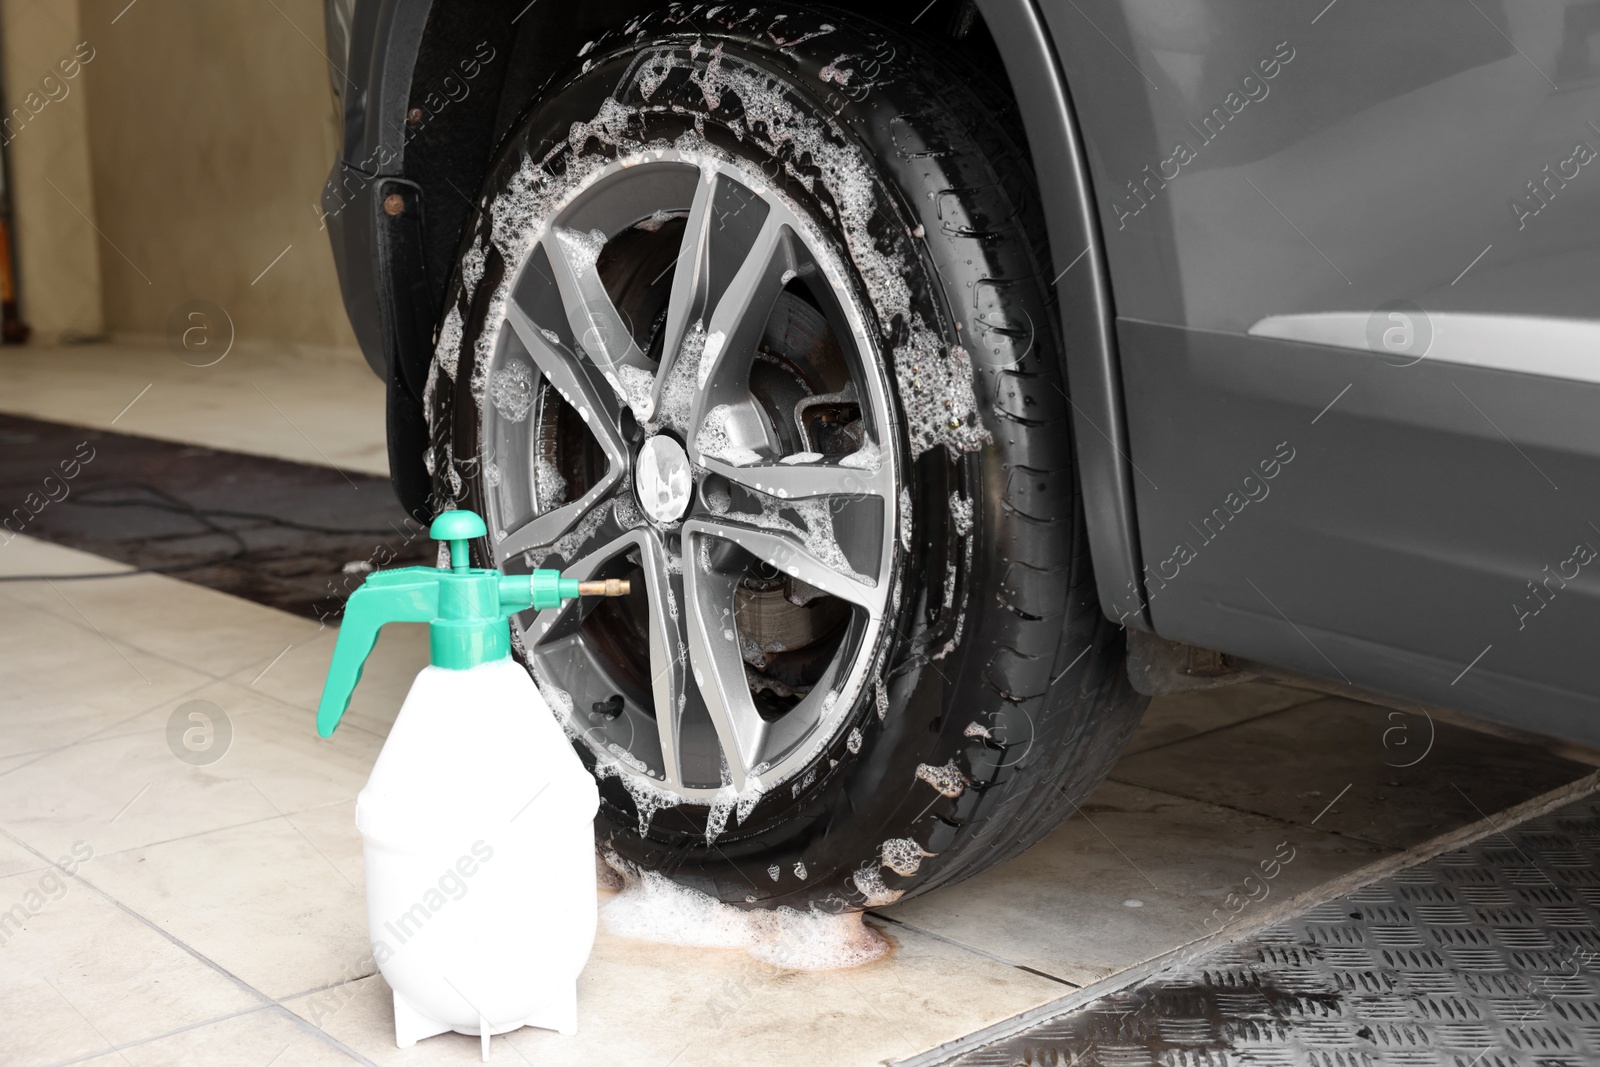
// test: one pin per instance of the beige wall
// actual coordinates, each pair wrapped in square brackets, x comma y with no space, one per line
[211,130]
[58,252]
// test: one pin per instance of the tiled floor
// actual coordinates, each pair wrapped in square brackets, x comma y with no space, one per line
[220,911]
[262,400]
[216,913]
[219,916]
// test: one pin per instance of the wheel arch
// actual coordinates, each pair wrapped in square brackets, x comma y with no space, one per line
[394,268]
[1083,292]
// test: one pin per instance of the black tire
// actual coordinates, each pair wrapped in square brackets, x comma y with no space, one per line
[1003,698]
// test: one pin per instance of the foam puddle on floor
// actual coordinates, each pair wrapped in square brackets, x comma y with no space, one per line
[652,907]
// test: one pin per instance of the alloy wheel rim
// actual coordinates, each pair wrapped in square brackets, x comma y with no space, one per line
[722,461]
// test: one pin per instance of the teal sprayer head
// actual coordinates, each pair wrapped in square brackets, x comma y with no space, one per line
[466,609]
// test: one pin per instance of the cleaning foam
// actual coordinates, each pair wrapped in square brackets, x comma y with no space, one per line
[652,907]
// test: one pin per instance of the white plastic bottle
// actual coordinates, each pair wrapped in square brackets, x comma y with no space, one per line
[478,819]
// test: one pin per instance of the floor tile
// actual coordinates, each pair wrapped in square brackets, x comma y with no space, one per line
[1061,907]
[125,790]
[24,556]
[62,682]
[16,858]
[331,830]
[1173,718]
[646,1003]
[1293,764]
[297,678]
[253,860]
[262,1038]
[270,904]
[360,1014]
[276,748]
[82,975]
[187,624]
[265,400]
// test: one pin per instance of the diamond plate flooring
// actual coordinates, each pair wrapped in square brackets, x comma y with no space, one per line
[1486,956]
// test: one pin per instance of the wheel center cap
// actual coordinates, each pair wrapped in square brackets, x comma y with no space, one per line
[663,479]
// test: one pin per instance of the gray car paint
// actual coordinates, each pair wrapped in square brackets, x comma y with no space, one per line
[1427,538]
[1380,158]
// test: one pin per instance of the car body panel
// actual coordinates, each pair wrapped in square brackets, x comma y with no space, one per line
[1363,233]
[1381,157]
[1405,546]
[1321,233]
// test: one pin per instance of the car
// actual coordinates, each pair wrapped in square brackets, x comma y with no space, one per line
[948,379]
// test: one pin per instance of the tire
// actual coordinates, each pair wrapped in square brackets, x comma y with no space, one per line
[988,696]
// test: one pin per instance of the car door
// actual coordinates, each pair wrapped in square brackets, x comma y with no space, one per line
[1354,251]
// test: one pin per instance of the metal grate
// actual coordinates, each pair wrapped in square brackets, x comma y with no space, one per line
[1488,956]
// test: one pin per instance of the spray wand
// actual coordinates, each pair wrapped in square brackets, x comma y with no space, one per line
[466,607]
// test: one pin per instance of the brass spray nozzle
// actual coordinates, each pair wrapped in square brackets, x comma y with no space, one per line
[609,587]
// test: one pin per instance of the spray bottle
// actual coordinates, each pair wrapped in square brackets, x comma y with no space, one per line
[477,821]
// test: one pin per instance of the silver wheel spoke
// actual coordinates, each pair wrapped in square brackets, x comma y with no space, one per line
[667,649]
[599,414]
[789,556]
[598,411]
[666,639]
[548,528]
[786,552]
[718,664]
[741,314]
[690,280]
[789,481]
[601,331]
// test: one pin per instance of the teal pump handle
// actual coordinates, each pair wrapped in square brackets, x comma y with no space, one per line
[467,609]
[406,594]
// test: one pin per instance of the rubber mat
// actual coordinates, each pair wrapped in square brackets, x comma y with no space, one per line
[1486,956]
[288,535]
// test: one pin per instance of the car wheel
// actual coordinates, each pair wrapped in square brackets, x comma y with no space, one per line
[755,312]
